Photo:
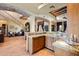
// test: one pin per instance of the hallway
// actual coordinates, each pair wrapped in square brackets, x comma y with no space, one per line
[15,46]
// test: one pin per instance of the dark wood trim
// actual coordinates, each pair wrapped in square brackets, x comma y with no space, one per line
[59,11]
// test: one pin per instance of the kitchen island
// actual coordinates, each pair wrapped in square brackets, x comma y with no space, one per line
[35,43]
[38,41]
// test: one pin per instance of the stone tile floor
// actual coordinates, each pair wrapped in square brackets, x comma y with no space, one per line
[15,46]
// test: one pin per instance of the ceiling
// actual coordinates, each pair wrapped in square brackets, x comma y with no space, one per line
[33,7]
[12,16]
[9,15]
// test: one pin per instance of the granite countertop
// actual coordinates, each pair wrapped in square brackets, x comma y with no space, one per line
[63,45]
[54,34]
[37,35]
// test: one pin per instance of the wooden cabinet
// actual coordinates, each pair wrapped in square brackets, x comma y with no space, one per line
[73,19]
[49,42]
[1,34]
[1,38]
[38,43]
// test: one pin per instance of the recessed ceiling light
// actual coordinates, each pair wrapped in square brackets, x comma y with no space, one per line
[42,5]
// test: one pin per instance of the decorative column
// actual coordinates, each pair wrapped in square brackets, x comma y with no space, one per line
[32,23]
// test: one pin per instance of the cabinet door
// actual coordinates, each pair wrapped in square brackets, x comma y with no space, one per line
[49,42]
[38,43]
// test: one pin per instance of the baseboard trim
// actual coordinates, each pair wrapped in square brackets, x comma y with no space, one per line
[49,49]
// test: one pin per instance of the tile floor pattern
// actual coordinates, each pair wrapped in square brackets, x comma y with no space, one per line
[15,46]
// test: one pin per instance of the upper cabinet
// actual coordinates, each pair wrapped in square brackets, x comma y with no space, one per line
[73,18]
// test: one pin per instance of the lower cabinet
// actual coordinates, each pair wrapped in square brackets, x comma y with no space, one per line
[38,43]
[49,42]
[1,38]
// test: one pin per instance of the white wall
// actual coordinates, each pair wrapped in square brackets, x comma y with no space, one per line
[13,27]
[60,17]
[49,18]
[2,22]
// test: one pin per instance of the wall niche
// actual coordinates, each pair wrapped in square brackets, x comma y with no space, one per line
[27,27]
